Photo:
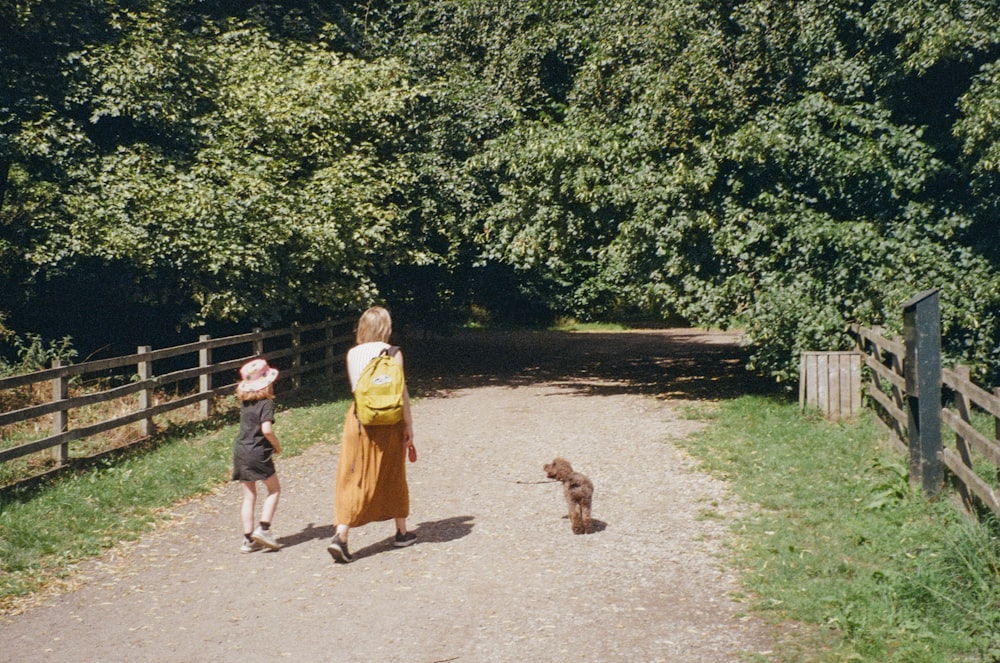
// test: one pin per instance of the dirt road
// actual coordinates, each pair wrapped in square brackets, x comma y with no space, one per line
[496,574]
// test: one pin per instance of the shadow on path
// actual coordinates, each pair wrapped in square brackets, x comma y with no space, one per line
[438,531]
[670,364]
[310,533]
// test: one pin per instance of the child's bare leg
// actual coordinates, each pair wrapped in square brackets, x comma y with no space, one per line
[249,504]
[271,501]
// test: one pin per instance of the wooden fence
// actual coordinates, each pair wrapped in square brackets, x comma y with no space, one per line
[296,351]
[831,382]
[972,457]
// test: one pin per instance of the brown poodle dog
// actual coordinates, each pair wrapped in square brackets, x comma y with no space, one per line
[579,493]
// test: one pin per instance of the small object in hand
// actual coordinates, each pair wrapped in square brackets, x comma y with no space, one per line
[412,451]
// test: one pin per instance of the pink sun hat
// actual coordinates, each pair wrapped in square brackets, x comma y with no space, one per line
[256,375]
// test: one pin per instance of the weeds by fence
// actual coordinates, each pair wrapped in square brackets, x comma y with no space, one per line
[119,399]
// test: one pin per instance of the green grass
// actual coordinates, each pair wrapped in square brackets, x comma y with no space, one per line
[45,529]
[569,324]
[834,537]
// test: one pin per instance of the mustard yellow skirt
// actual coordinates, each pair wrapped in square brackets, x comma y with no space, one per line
[371,474]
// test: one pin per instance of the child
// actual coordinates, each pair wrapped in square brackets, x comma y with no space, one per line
[254,451]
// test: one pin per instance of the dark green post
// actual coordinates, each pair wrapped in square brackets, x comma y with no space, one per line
[922,333]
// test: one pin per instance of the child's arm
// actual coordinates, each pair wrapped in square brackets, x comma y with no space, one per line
[267,428]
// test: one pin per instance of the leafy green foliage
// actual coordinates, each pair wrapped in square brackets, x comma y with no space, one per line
[780,167]
[236,176]
[34,354]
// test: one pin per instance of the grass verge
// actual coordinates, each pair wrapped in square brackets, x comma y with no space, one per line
[835,537]
[46,529]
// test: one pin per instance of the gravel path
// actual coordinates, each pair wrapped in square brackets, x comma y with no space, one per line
[496,574]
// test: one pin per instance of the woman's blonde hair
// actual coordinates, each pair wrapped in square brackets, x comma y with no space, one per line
[374,325]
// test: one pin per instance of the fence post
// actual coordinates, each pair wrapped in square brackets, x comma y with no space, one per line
[60,418]
[145,369]
[329,354]
[297,356]
[258,343]
[922,335]
[205,379]
[996,425]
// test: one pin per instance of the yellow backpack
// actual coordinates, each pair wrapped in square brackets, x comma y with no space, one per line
[378,396]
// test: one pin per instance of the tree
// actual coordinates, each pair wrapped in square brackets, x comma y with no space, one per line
[220,175]
[782,167]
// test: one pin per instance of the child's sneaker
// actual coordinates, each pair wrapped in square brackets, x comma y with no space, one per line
[265,538]
[250,546]
[338,551]
[403,540]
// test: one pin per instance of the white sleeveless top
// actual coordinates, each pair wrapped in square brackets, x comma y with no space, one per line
[359,356]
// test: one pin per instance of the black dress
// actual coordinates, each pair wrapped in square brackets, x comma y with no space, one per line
[253,455]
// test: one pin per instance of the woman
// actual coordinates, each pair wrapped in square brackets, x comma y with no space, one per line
[371,472]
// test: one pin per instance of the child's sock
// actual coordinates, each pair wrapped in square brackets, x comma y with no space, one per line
[265,525]
[248,536]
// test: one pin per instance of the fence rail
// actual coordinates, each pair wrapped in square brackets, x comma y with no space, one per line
[886,383]
[972,457]
[296,351]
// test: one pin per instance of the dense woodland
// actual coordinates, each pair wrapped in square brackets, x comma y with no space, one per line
[782,167]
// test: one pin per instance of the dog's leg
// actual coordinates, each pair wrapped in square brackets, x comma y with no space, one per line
[576,518]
